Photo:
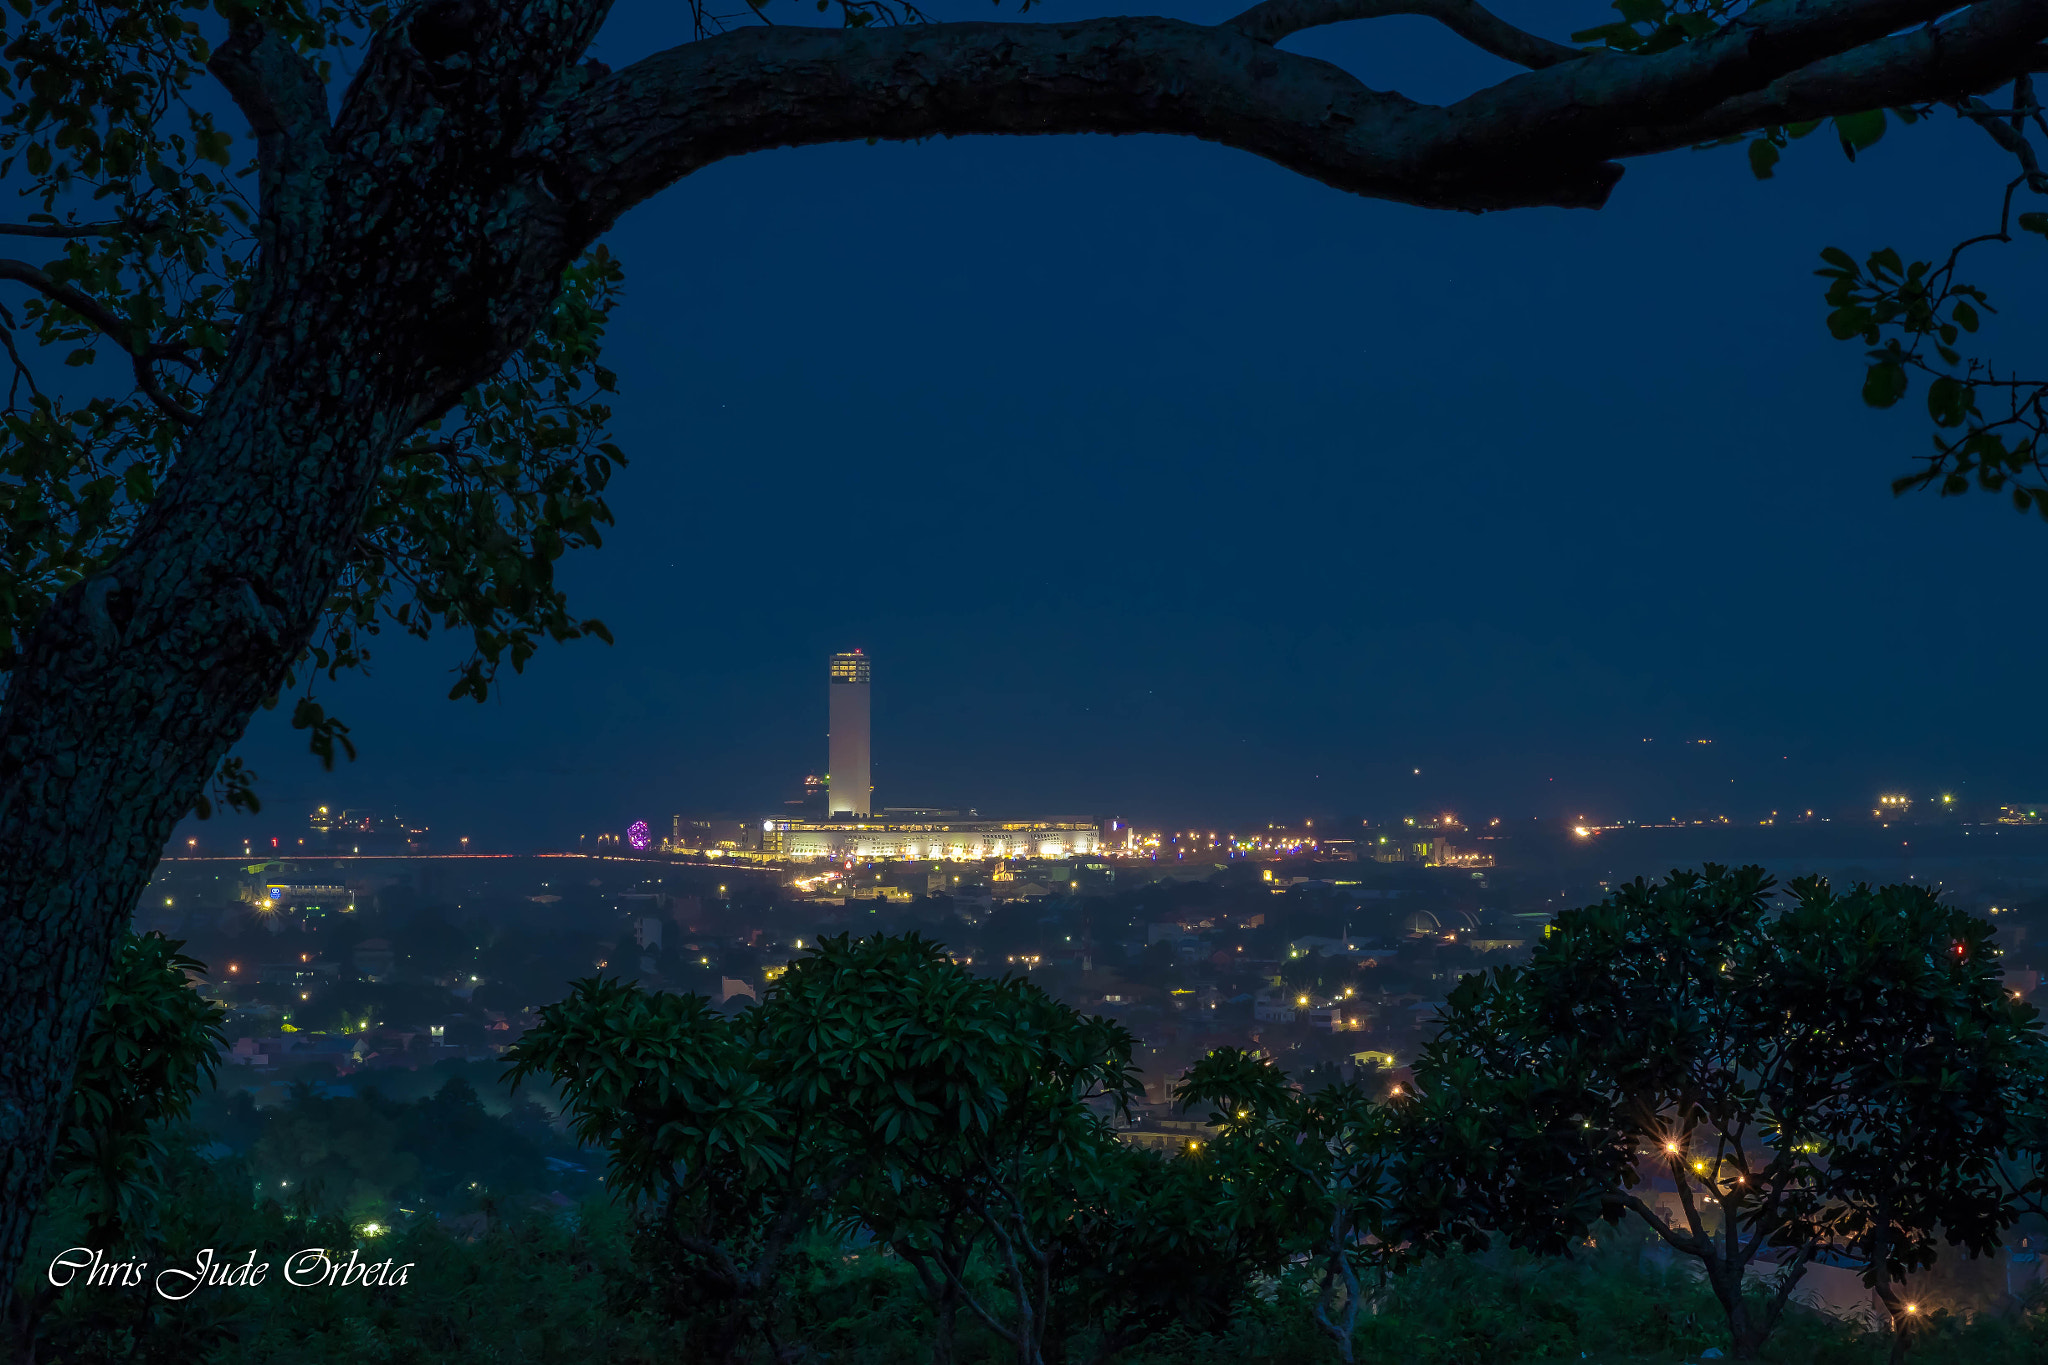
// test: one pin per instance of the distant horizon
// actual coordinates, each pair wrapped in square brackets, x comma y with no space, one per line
[1730,842]
[1237,495]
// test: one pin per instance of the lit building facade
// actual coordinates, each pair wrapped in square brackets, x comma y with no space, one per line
[848,785]
[963,840]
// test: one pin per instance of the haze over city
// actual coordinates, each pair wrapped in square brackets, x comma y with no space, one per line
[1166,482]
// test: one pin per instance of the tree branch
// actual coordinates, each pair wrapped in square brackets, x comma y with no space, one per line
[281,95]
[1543,137]
[1979,49]
[756,88]
[2009,137]
[1272,20]
[102,319]
[955,1276]
[276,89]
[1687,1242]
[60,230]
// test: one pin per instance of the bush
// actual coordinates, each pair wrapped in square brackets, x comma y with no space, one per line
[533,1288]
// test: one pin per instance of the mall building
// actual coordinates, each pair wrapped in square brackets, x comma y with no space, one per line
[852,828]
[958,840]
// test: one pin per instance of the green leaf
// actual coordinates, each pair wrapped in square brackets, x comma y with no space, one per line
[1884,384]
[1859,131]
[212,145]
[1848,322]
[1763,157]
[1949,401]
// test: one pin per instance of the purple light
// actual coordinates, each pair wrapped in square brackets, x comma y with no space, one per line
[637,835]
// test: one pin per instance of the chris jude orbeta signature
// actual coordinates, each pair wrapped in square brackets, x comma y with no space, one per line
[304,1269]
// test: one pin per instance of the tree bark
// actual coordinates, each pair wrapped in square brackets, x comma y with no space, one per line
[409,246]
[948,1317]
[385,286]
[1544,138]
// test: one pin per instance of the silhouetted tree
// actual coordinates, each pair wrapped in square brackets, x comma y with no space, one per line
[1848,1077]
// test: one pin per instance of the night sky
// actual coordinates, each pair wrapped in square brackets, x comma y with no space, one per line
[1160,481]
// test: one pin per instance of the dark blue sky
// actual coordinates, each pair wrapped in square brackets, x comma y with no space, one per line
[1158,480]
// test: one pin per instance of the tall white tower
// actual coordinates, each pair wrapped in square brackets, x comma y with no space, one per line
[847,786]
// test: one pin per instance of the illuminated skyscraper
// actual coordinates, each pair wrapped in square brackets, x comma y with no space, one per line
[847,785]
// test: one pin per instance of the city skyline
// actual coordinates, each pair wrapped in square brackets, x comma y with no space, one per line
[1451,523]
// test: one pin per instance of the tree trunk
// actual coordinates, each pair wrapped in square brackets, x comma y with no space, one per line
[135,684]
[1902,1322]
[1339,1278]
[1744,1339]
[379,297]
[948,1321]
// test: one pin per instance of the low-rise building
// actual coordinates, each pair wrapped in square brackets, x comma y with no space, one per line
[1170,1135]
[937,840]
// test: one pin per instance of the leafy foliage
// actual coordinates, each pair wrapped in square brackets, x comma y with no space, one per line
[1991,426]
[1650,26]
[1847,1076]
[1317,1175]
[1991,431]
[96,116]
[152,1044]
[472,515]
[1914,1070]
[531,1289]
[1843,1079]
[879,1086]
[535,1289]
[140,193]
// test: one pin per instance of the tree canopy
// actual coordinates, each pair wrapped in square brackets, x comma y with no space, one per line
[1847,1078]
